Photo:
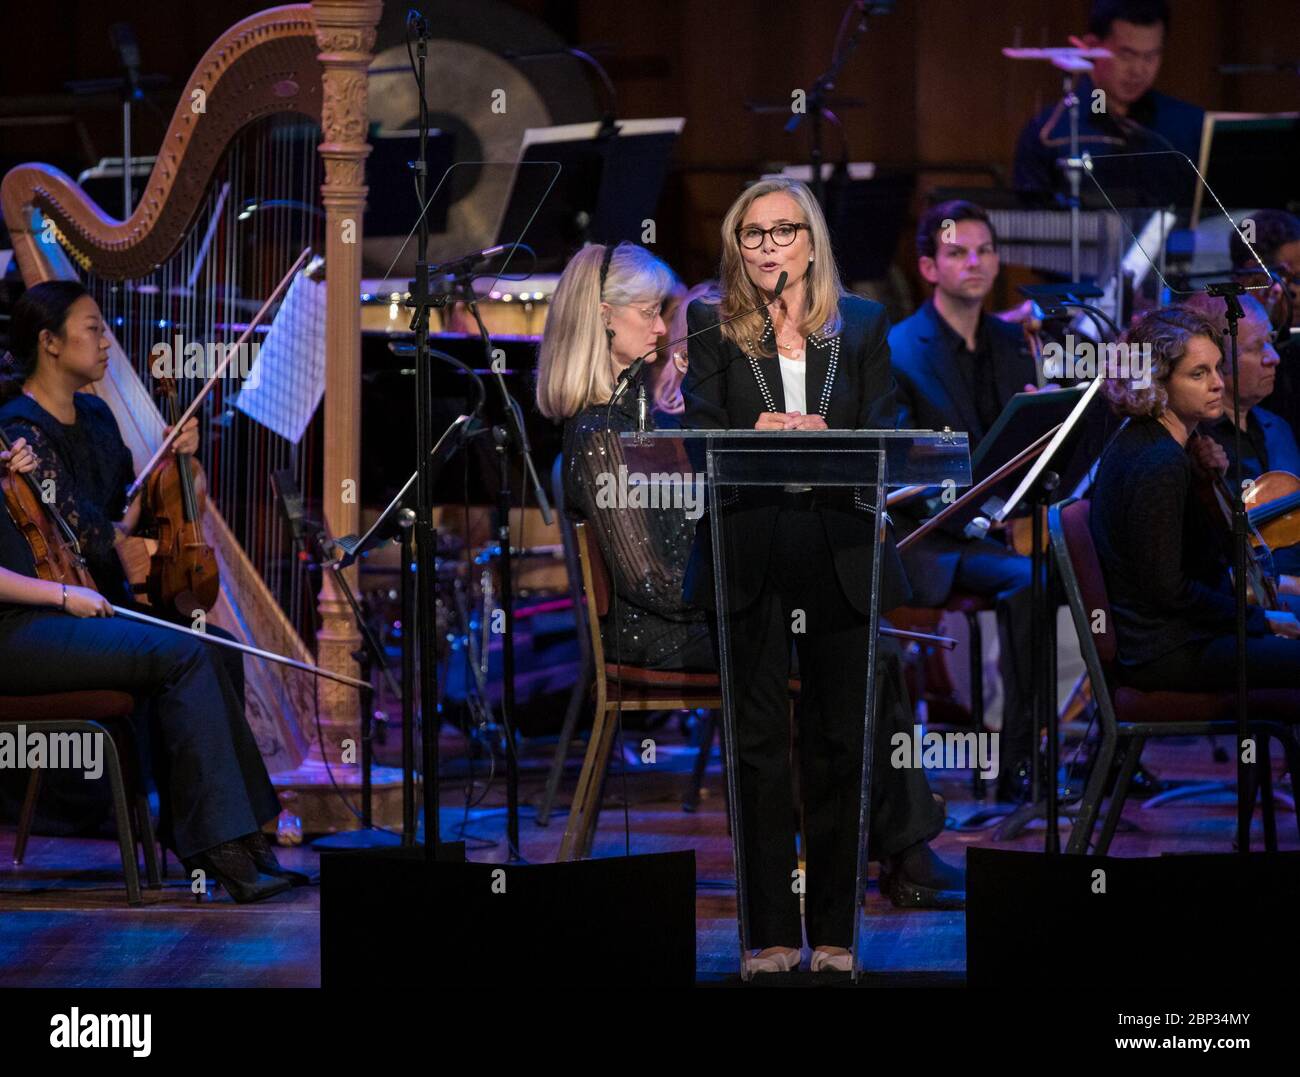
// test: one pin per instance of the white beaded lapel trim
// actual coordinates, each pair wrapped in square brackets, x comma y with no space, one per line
[834,344]
[818,341]
[762,383]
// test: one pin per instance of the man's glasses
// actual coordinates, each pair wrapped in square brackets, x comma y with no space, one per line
[751,238]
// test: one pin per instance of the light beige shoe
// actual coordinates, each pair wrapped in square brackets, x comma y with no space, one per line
[831,959]
[773,959]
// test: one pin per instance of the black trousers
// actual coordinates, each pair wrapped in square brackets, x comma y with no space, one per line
[991,570]
[212,782]
[802,603]
[1271,662]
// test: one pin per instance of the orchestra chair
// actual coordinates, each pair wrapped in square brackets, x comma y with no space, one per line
[617,687]
[107,714]
[586,665]
[926,619]
[1128,717]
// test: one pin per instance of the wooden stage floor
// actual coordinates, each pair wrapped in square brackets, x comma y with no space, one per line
[64,921]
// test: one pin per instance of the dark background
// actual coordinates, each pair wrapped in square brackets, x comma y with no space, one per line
[939,96]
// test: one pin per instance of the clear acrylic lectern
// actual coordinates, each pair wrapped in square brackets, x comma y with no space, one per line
[678,463]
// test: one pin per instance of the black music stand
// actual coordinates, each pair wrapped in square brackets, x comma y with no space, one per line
[388,203]
[1037,489]
[1026,418]
[608,186]
[1248,160]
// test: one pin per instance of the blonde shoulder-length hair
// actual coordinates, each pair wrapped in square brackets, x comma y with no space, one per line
[575,367]
[822,285]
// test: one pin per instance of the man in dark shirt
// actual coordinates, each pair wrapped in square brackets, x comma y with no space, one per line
[1267,441]
[957,366]
[1119,111]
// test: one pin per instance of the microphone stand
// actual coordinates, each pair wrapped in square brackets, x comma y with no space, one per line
[825,84]
[425,627]
[316,543]
[1229,291]
[507,436]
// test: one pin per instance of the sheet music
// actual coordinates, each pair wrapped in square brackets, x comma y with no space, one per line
[287,382]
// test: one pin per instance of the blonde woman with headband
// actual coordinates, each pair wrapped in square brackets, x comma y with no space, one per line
[814,358]
[607,311]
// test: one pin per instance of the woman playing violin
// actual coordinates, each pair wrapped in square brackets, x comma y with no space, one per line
[214,791]
[1164,561]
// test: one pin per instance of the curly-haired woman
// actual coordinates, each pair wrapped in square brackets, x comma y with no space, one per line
[1165,565]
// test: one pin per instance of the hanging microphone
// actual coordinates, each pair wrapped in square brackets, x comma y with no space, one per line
[634,367]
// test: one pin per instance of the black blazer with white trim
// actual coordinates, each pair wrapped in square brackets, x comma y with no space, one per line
[849,383]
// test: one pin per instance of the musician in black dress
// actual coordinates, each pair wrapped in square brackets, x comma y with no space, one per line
[214,790]
[814,359]
[606,311]
[1164,559]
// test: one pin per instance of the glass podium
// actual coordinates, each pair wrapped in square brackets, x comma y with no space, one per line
[843,474]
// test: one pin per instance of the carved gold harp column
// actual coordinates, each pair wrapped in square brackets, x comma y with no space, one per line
[345,32]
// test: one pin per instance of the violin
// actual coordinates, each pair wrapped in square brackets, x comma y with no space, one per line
[1259,580]
[57,556]
[180,573]
[183,573]
[1273,509]
[55,549]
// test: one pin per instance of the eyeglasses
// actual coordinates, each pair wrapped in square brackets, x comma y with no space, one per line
[648,313]
[783,235]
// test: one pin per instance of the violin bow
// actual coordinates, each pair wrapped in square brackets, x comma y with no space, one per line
[256,652]
[230,352]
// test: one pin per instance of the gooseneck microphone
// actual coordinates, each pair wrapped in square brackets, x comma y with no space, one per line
[634,368]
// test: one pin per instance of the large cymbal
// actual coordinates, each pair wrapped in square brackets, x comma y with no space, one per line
[464,70]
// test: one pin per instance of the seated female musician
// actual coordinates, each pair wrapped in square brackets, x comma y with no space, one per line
[81,451]
[1164,558]
[606,311]
[214,790]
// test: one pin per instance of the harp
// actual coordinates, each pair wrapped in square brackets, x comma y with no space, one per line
[273,117]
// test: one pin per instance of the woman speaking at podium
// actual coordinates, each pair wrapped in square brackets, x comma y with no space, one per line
[814,358]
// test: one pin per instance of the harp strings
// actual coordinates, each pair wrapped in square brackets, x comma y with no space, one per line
[260,211]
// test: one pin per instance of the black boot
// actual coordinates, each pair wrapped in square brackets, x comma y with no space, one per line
[231,866]
[917,879]
[263,855]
